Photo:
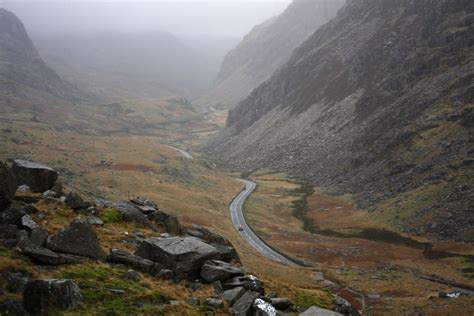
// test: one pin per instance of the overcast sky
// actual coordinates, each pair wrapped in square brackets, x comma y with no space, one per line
[184,17]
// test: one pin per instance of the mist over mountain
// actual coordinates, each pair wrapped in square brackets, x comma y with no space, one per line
[267,47]
[115,65]
[22,71]
[378,102]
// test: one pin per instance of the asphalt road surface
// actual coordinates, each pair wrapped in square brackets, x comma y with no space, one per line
[237,215]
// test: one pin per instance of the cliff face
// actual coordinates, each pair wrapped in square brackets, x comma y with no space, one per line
[378,102]
[267,47]
[21,67]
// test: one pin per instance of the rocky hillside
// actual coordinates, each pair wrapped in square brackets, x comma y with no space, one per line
[53,257]
[22,71]
[267,47]
[379,103]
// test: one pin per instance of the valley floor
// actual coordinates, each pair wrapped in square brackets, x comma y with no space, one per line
[116,152]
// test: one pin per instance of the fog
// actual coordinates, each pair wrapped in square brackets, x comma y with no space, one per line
[188,17]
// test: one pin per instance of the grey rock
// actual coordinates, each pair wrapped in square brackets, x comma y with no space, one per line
[183,255]
[243,306]
[132,275]
[281,303]
[169,222]
[344,307]
[233,295]
[12,308]
[95,221]
[263,308]
[50,194]
[136,262]
[41,255]
[144,201]
[75,201]
[317,311]
[217,285]
[38,236]
[8,185]
[226,253]
[38,177]
[42,296]
[12,214]
[213,302]
[131,213]
[79,238]
[206,235]
[8,231]
[214,270]
[248,282]
[23,188]
[16,280]
[27,222]
[165,274]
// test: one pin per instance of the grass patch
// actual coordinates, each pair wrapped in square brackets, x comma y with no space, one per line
[301,207]
[112,215]
[98,282]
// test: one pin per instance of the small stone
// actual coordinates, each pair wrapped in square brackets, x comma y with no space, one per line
[213,302]
[193,300]
[132,275]
[165,274]
[27,222]
[95,221]
[23,188]
[50,194]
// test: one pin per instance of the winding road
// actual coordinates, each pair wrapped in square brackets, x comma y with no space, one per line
[237,215]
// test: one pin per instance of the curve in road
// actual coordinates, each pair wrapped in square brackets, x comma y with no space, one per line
[184,153]
[237,215]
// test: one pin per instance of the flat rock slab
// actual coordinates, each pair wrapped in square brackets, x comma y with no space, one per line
[316,311]
[183,255]
[78,238]
[38,177]
[42,296]
[136,262]
[216,270]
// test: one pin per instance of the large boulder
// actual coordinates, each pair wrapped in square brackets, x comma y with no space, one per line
[131,213]
[244,305]
[79,238]
[222,244]
[170,223]
[216,270]
[183,255]
[136,262]
[43,296]
[37,176]
[317,311]
[262,307]
[8,185]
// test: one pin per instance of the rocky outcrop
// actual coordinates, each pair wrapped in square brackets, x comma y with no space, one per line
[136,262]
[42,296]
[267,47]
[79,238]
[130,213]
[183,255]
[377,102]
[38,177]
[168,222]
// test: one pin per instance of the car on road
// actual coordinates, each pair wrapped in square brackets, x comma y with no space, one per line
[240,228]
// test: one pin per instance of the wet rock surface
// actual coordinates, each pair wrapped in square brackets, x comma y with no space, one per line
[38,177]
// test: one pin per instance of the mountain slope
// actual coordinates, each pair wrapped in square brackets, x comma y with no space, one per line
[265,48]
[21,68]
[378,102]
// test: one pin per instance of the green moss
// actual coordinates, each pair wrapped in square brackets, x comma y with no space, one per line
[306,300]
[111,215]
